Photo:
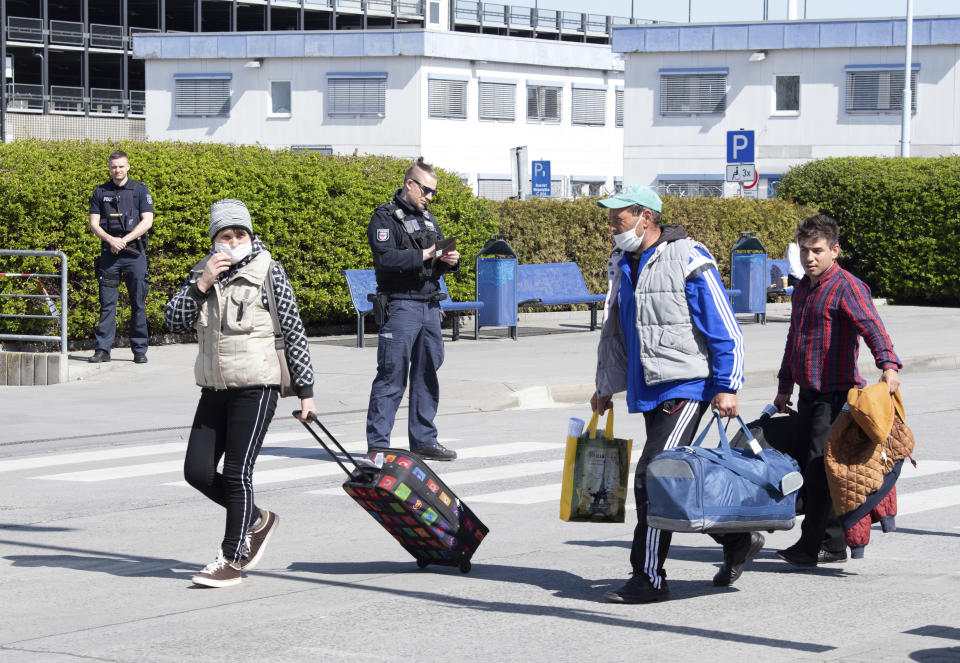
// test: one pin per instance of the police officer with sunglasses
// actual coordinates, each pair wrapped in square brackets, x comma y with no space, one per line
[404,238]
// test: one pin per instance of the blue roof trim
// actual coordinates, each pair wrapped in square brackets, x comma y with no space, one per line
[694,70]
[217,76]
[776,35]
[879,67]
[356,74]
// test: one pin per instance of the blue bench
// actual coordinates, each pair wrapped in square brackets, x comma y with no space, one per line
[363,282]
[556,284]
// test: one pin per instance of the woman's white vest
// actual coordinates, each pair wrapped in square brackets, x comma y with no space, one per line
[235,330]
[671,346]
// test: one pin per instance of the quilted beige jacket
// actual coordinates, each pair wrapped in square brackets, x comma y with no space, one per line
[856,461]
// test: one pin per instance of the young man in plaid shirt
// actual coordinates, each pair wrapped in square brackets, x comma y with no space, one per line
[832,309]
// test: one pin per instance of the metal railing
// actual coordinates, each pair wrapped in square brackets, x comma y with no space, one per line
[105,100]
[412,8]
[20,28]
[66,99]
[26,97]
[66,32]
[106,36]
[54,313]
[138,102]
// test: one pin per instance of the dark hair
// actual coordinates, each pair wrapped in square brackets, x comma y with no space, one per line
[637,210]
[817,226]
[419,166]
[117,154]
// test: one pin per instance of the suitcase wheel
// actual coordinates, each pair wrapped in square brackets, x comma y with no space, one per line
[465,565]
[422,563]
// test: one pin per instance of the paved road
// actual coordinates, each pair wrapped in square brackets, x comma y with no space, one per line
[99,537]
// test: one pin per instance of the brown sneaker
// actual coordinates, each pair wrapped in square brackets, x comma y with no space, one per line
[257,538]
[219,573]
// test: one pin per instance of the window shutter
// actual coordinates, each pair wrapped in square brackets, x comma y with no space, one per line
[356,96]
[619,109]
[446,98]
[685,94]
[498,101]
[879,90]
[544,102]
[196,96]
[495,189]
[588,106]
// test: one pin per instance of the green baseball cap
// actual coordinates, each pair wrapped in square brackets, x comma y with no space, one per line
[634,195]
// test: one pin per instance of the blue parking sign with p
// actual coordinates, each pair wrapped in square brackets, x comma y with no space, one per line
[740,147]
[540,178]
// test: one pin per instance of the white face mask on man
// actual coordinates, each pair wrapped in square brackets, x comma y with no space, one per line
[236,254]
[629,241]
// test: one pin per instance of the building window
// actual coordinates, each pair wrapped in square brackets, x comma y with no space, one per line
[280,97]
[693,91]
[588,106]
[495,187]
[199,95]
[498,100]
[357,94]
[446,98]
[878,88]
[544,102]
[786,94]
[592,187]
[619,108]
[681,188]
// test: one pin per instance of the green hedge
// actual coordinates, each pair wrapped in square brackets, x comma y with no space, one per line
[899,220]
[312,211]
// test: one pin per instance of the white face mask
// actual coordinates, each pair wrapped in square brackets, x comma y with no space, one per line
[629,241]
[237,254]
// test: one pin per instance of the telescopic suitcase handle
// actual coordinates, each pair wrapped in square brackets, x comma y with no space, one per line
[312,417]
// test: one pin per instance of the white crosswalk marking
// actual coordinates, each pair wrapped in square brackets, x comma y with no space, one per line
[532,495]
[36,462]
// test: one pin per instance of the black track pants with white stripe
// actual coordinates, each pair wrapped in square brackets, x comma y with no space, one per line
[673,423]
[229,424]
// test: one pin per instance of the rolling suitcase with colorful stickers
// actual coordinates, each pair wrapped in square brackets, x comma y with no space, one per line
[406,497]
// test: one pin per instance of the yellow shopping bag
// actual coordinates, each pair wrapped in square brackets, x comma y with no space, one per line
[596,469]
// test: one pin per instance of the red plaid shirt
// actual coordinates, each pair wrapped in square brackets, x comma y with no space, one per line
[826,324]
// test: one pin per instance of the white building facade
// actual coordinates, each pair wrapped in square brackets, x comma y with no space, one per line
[460,100]
[808,89]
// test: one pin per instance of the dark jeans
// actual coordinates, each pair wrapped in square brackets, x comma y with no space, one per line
[111,269]
[229,424]
[409,344]
[821,528]
[673,423]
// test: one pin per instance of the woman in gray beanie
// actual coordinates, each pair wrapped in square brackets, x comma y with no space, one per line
[225,300]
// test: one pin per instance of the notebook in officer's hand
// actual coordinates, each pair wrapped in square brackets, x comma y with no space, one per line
[445,246]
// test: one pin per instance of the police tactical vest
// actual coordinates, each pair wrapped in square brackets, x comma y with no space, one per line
[419,231]
[120,212]
[235,330]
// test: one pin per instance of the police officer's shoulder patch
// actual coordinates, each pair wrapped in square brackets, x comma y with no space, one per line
[383,234]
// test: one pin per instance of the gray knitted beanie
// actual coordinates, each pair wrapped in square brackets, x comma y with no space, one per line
[229,213]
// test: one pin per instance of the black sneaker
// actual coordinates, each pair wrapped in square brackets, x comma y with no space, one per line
[139,357]
[99,356]
[639,590]
[436,452]
[830,557]
[736,558]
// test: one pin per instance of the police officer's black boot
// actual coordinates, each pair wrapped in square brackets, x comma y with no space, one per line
[436,452]
[99,356]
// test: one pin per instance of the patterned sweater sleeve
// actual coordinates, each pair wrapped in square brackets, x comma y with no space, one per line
[183,309]
[294,334]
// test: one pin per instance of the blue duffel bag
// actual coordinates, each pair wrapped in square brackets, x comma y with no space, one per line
[722,489]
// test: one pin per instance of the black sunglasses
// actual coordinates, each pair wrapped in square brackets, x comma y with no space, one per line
[427,191]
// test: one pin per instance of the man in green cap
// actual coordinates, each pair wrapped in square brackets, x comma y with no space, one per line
[671,341]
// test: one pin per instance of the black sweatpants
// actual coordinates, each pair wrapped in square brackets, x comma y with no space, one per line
[229,424]
[673,423]
[820,528]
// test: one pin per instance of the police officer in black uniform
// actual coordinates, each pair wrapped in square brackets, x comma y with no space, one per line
[403,236]
[121,212]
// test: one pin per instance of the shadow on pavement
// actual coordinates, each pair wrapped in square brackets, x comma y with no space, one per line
[926,532]
[10,527]
[549,579]
[117,564]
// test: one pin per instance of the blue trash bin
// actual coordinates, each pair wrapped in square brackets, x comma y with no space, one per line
[748,274]
[497,286]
